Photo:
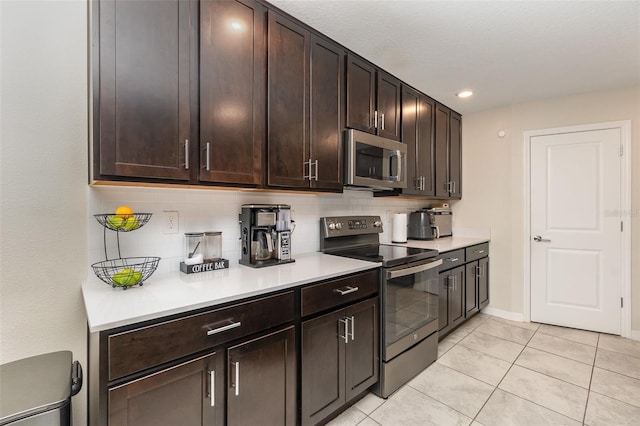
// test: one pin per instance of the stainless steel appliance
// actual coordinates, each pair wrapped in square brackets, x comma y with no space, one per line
[374,162]
[265,231]
[429,223]
[38,390]
[408,292]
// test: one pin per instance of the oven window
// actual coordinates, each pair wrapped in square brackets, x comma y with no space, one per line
[411,302]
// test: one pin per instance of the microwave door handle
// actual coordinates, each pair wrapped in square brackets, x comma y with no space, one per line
[396,153]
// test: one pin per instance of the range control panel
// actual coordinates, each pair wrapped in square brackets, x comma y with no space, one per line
[340,226]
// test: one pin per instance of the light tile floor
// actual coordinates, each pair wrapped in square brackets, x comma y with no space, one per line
[492,371]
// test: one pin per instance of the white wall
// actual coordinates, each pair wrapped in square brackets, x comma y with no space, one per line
[493,178]
[43,175]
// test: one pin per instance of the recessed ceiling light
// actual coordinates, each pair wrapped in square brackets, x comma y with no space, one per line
[464,94]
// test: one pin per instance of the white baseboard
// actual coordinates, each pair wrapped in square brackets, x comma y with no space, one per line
[516,316]
[513,316]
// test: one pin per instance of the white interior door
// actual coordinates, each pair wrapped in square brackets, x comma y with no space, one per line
[576,230]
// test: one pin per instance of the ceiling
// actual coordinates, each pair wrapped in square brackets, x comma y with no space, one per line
[505,51]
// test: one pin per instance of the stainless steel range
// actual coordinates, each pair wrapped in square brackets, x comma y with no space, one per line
[408,292]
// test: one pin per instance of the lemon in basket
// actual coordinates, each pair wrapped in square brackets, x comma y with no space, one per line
[124,212]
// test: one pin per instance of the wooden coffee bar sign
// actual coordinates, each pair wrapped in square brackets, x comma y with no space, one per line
[204,267]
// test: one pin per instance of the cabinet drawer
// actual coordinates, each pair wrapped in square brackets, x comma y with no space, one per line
[326,295]
[477,251]
[451,259]
[146,347]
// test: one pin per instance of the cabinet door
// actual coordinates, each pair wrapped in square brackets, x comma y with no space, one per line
[363,347]
[425,163]
[441,149]
[483,283]
[288,103]
[410,106]
[323,378]
[443,307]
[361,90]
[262,380]
[471,288]
[388,106]
[232,91]
[144,115]
[455,155]
[456,296]
[187,394]
[417,133]
[327,113]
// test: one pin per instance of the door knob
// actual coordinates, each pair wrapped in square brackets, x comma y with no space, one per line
[539,239]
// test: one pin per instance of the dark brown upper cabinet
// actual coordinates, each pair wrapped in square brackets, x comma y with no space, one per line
[232,91]
[373,99]
[448,153]
[305,107]
[417,133]
[142,99]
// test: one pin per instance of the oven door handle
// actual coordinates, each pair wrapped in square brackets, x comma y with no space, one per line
[413,269]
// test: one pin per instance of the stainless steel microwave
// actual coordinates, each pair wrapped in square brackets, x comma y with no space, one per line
[374,162]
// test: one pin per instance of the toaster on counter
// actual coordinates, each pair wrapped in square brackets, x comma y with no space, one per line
[429,224]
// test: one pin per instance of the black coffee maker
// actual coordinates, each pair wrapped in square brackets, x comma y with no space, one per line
[265,231]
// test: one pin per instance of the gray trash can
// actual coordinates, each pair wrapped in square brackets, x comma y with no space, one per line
[37,391]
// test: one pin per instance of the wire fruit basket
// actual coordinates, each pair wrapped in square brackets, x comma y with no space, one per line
[123,223]
[126,272]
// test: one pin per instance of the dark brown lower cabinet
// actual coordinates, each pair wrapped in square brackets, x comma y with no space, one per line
[179,395]
[262,380]
[452,299]
[339,358]
[483,283]
[471,288]
[260,387]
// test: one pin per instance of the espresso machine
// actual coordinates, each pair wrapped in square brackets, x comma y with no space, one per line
[265,231]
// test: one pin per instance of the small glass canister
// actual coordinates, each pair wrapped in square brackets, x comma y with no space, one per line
[193,247]
[212,246]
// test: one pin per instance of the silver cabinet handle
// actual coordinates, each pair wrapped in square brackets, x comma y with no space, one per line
[353,327]
[348,290]
[478,251]
[539,239]
[375,119]
[212,386]
[345,323]
[316,176]
[423,183]
[186,154]
[207,150]
[236,385]
[453,184]
[452,259]
[223,328]
[307,164]
[382,120]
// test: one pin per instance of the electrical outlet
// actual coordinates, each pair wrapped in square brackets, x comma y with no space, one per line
[171,219]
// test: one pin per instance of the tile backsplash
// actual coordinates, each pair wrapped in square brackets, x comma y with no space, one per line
[217,210]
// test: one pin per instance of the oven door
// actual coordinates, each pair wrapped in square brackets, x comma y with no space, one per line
[410,300]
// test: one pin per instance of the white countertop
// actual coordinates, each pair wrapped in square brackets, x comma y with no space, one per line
[446,243]
[175,292]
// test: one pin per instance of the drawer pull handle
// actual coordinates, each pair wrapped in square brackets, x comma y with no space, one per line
[223,328]
[348,290]
[479,251]
[453,259]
